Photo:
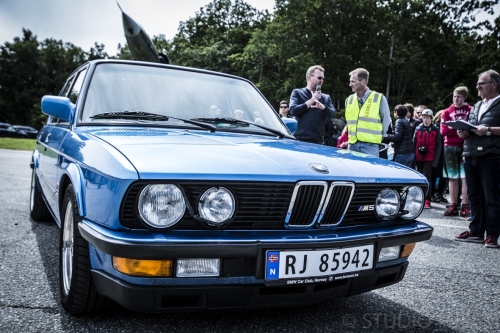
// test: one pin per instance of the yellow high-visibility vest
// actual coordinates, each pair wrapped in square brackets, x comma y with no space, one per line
[364,125]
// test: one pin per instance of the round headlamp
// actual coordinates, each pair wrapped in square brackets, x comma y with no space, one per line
[216,206]
[414,202]
[387,203]
[161,205]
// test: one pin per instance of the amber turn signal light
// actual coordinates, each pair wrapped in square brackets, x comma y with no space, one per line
[140,267]
[407,249]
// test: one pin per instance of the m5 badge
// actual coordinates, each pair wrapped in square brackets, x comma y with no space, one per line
[366,208]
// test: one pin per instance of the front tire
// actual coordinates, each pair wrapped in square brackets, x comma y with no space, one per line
[78,292]
[38,208]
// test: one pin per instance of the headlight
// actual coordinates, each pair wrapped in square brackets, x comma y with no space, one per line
[414,202]
[162,205]
[387,203]
[216,206]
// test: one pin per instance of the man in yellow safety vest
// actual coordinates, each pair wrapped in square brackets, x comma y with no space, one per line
[367,115]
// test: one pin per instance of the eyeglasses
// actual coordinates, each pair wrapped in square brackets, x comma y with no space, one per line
[283,106]
[480,84]
[319,77]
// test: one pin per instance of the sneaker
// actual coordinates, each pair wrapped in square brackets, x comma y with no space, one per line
[465,210]
[452,210]
[427,204]
[491,241]
[470,218]
[468,237]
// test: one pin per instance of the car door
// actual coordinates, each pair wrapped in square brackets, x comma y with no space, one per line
[58,129]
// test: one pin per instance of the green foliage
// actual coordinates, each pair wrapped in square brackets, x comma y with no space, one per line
[436,46]
[97,52]
[218,31]
[30,69]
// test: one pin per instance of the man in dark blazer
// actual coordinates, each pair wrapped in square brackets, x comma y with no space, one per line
[311,107]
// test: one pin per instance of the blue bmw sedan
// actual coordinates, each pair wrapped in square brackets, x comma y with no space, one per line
[179,189]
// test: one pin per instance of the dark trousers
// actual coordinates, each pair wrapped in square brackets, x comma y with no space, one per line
[426,169]
[482,176]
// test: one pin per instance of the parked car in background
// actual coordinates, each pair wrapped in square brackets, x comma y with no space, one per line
[178,189]
[9,131]
[30,131]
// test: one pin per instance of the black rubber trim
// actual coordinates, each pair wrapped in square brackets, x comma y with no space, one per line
[393,240]
[151,250]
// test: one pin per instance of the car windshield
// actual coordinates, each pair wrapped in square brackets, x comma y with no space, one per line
[176,93]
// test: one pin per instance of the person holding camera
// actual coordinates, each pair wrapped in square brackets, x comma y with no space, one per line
[427,139]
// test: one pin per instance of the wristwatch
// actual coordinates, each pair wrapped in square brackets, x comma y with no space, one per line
[488,132]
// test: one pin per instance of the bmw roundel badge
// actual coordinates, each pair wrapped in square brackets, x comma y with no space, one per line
[319,168]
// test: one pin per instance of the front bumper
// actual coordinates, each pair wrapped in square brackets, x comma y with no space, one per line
[238,286]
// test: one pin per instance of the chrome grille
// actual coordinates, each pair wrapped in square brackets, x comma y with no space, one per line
[276,205]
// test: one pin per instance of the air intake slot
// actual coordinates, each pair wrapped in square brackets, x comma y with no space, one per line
[337,201]
[306,203]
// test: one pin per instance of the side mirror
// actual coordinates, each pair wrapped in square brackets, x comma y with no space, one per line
[59,107]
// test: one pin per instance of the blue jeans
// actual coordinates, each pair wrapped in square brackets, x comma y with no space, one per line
[405,159]
[482,176]
[365,147]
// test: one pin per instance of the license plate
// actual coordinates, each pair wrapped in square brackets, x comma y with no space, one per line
[312,266]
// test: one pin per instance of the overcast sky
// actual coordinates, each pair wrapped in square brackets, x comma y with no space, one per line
[84,22]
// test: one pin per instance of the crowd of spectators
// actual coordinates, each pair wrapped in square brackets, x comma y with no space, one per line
[453,159]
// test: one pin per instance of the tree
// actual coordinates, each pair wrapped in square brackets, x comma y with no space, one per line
[434,44]
[97,52]
[19,78]
[30,69]
[218,31]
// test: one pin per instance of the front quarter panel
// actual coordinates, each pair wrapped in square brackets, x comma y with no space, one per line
[100,175]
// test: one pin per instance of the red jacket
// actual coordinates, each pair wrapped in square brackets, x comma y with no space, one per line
[343,138]
[453,113]
[430,138]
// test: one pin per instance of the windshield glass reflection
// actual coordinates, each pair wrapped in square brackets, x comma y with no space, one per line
[176,93]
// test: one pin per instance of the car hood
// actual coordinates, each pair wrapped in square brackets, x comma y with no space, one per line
[230,156]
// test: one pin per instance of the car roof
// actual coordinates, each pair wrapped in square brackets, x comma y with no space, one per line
[96,62]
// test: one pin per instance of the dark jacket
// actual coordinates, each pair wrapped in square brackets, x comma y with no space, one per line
[479,146]
[331,133]
[430,138]
[414,123]
[402,137]
[310,121]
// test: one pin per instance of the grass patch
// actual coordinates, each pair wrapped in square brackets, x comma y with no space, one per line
[17,144]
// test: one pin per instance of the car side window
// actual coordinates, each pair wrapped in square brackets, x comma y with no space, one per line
[75,83]
[77,87]
[67,86]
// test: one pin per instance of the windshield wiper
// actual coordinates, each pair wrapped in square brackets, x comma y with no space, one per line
[129,115]
[280,134]
[149,116]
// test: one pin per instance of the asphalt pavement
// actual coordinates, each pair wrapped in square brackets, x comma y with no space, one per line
[450,286]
